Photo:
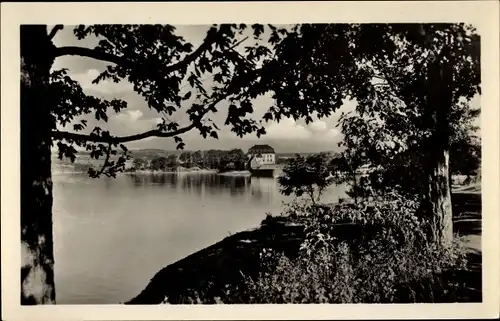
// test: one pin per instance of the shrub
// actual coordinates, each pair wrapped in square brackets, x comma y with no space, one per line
[361,253]
[309,176]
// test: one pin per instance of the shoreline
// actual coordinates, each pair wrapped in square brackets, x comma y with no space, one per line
[201,171]
[148,172]
[235,173]
[207,271]
[151,172]
[212,269]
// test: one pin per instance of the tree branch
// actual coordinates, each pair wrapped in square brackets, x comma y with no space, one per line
[122,61]
[106,161]
[251,64]
[56,134]
[55,30]
[238,43]
[91,53]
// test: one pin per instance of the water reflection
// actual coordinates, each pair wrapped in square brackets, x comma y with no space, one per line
[140,180]
[108,182]
[263,188]
[200,184]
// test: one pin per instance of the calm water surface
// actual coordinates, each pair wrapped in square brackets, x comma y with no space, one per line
[112,235]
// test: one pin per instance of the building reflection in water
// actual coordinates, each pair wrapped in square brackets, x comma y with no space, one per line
[263,188]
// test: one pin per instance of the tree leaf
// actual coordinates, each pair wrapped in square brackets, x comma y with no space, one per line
[187,95]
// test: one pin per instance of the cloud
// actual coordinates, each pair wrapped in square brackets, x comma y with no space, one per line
[318,126]
[132,121]
[287,129]
[129,116]
[135,114]
[333,133]
[104,86]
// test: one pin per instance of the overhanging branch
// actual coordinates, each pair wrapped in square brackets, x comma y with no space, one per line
[122,61]
[56,134]
[91,53]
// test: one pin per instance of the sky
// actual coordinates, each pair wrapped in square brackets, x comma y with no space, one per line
[287,136]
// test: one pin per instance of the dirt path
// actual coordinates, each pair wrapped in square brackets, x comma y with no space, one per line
[467,217]
[467,222]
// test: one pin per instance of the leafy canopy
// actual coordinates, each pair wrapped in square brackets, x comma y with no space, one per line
[389,71]
[169,73]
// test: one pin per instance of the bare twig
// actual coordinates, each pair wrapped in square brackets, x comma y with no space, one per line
[106,162]
[55,30]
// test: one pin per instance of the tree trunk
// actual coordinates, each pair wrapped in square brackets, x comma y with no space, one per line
[37,266]
[437,196]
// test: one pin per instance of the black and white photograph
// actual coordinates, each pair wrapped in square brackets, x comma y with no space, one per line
[239,163]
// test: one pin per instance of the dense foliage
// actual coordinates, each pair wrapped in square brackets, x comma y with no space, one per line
[393,127]
[222,160]
[309,176]
[412,85]
[370,252]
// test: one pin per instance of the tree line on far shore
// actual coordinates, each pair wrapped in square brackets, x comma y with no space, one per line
[222,160]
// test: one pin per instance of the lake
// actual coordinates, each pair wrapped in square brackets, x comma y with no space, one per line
[112,235]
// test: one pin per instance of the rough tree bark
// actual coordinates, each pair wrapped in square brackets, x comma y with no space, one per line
[438,192]
[37,266]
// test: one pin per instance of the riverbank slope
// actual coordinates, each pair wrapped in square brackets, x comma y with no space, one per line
[207,272]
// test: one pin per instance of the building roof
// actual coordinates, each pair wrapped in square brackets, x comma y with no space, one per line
[265,149]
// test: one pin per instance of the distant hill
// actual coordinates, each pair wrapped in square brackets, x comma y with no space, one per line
[291,155]
[153,152]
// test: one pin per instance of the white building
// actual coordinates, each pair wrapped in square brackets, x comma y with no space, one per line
[262,154]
